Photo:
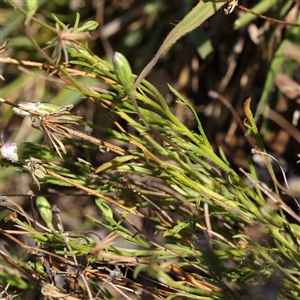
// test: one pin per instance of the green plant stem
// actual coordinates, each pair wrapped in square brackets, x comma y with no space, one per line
[21,10]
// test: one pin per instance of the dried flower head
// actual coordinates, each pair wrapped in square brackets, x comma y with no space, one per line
[54,125]
[49,292]
[10,151]
[65,37]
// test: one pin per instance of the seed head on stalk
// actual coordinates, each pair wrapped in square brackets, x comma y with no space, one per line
[54,126]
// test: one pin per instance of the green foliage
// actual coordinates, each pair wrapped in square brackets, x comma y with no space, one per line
[44,209]
[213,237]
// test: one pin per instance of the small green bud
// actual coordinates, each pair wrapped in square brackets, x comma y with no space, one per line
[45,211]
[123,72]
[32,6]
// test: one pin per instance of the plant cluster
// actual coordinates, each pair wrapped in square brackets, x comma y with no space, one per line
[173,220]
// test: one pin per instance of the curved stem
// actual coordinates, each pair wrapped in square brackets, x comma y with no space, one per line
[22,11]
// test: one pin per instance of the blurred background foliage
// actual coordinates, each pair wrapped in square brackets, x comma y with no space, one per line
[237,56]
[237,63]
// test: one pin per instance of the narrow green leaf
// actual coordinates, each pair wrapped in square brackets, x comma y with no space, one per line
[123,71]
[106,210]
[186,103]
[45,211]
[88,26]
[201,12]
[114,163]
[58,21]
[76,22]
[177,228]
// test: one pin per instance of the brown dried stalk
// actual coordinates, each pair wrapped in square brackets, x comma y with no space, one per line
[54,125]
[86,189]
[234,3]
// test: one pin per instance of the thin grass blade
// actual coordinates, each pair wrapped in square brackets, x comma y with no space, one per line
[201,12]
